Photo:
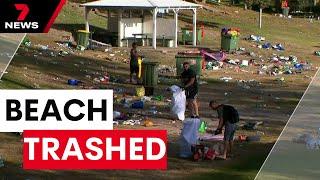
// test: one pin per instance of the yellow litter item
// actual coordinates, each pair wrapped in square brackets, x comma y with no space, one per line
[148,123]
[140,66]
[140,91]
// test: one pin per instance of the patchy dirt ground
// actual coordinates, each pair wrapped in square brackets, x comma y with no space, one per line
[267,100]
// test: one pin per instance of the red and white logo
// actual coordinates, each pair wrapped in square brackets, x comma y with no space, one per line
[94,149]
[24,8]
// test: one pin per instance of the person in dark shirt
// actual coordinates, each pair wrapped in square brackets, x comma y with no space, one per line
[190,85]
[134,67]
[230,127]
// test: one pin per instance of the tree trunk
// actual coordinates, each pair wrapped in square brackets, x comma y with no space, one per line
[245,6]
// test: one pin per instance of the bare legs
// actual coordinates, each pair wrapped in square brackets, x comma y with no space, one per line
[228,145]
[137,78]
[193,107]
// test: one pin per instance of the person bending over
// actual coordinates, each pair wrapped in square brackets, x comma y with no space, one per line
[228,118]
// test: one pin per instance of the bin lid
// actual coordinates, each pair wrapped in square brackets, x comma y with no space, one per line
[188,56]
[148,62]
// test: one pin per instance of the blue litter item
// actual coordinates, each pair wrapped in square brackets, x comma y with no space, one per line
[137,105]
[73,82]
[266,46]
[279,47]
[298,66]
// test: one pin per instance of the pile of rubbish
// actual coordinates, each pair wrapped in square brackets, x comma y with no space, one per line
[259,39]
[255,38]
[230,32]
[164,69]
[62,49]
[278,47]
[284,65]
[217,56]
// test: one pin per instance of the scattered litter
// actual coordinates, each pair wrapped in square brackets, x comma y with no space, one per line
[245,63]
[148,123]
[140,91]
[137,105]
[203,127]
[211,137]
[218,56]
[116,114]
[226,79]
[158,98]
[278,47]
[73,82]
[146,99]
[202,152]
[80,48]
[252,125]
[132,122]
[256,38]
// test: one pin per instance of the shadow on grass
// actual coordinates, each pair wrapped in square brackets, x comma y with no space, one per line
[188,19]
[98,33]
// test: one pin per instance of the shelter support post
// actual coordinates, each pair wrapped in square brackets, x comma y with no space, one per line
[86,16]
[109,19]
[120,29]
[154,39]
[176,11]
[194,43]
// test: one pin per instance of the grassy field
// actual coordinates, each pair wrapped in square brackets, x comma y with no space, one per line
[33,68]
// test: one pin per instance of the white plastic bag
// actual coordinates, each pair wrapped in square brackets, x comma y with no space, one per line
[178,107]
[189,136]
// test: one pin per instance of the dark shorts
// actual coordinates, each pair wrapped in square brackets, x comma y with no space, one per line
[134,69]
[191,94]
[229,131]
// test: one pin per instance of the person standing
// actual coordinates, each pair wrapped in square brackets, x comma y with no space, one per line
[134,67]
[190,85]
[228,118]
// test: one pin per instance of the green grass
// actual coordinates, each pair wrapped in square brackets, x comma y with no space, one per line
[71,13]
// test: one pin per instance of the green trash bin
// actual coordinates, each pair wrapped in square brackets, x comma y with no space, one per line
[187,35]
[285,11]
[194,60]
[83,38]
[149,76]
[229,43]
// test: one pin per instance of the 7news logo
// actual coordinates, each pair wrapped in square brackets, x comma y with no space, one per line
[28,16]
[21,23]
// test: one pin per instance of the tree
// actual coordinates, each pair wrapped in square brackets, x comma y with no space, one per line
[262,5]
[248,4]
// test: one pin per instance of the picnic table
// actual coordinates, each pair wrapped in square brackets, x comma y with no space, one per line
[144,37]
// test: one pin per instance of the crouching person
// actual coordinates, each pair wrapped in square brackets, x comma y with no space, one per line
[228,118]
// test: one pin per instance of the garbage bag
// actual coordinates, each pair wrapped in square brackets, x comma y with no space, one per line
[189,136]
[178,107]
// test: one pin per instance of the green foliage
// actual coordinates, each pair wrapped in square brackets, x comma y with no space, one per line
[249,3]
[302,5]
[263,3]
